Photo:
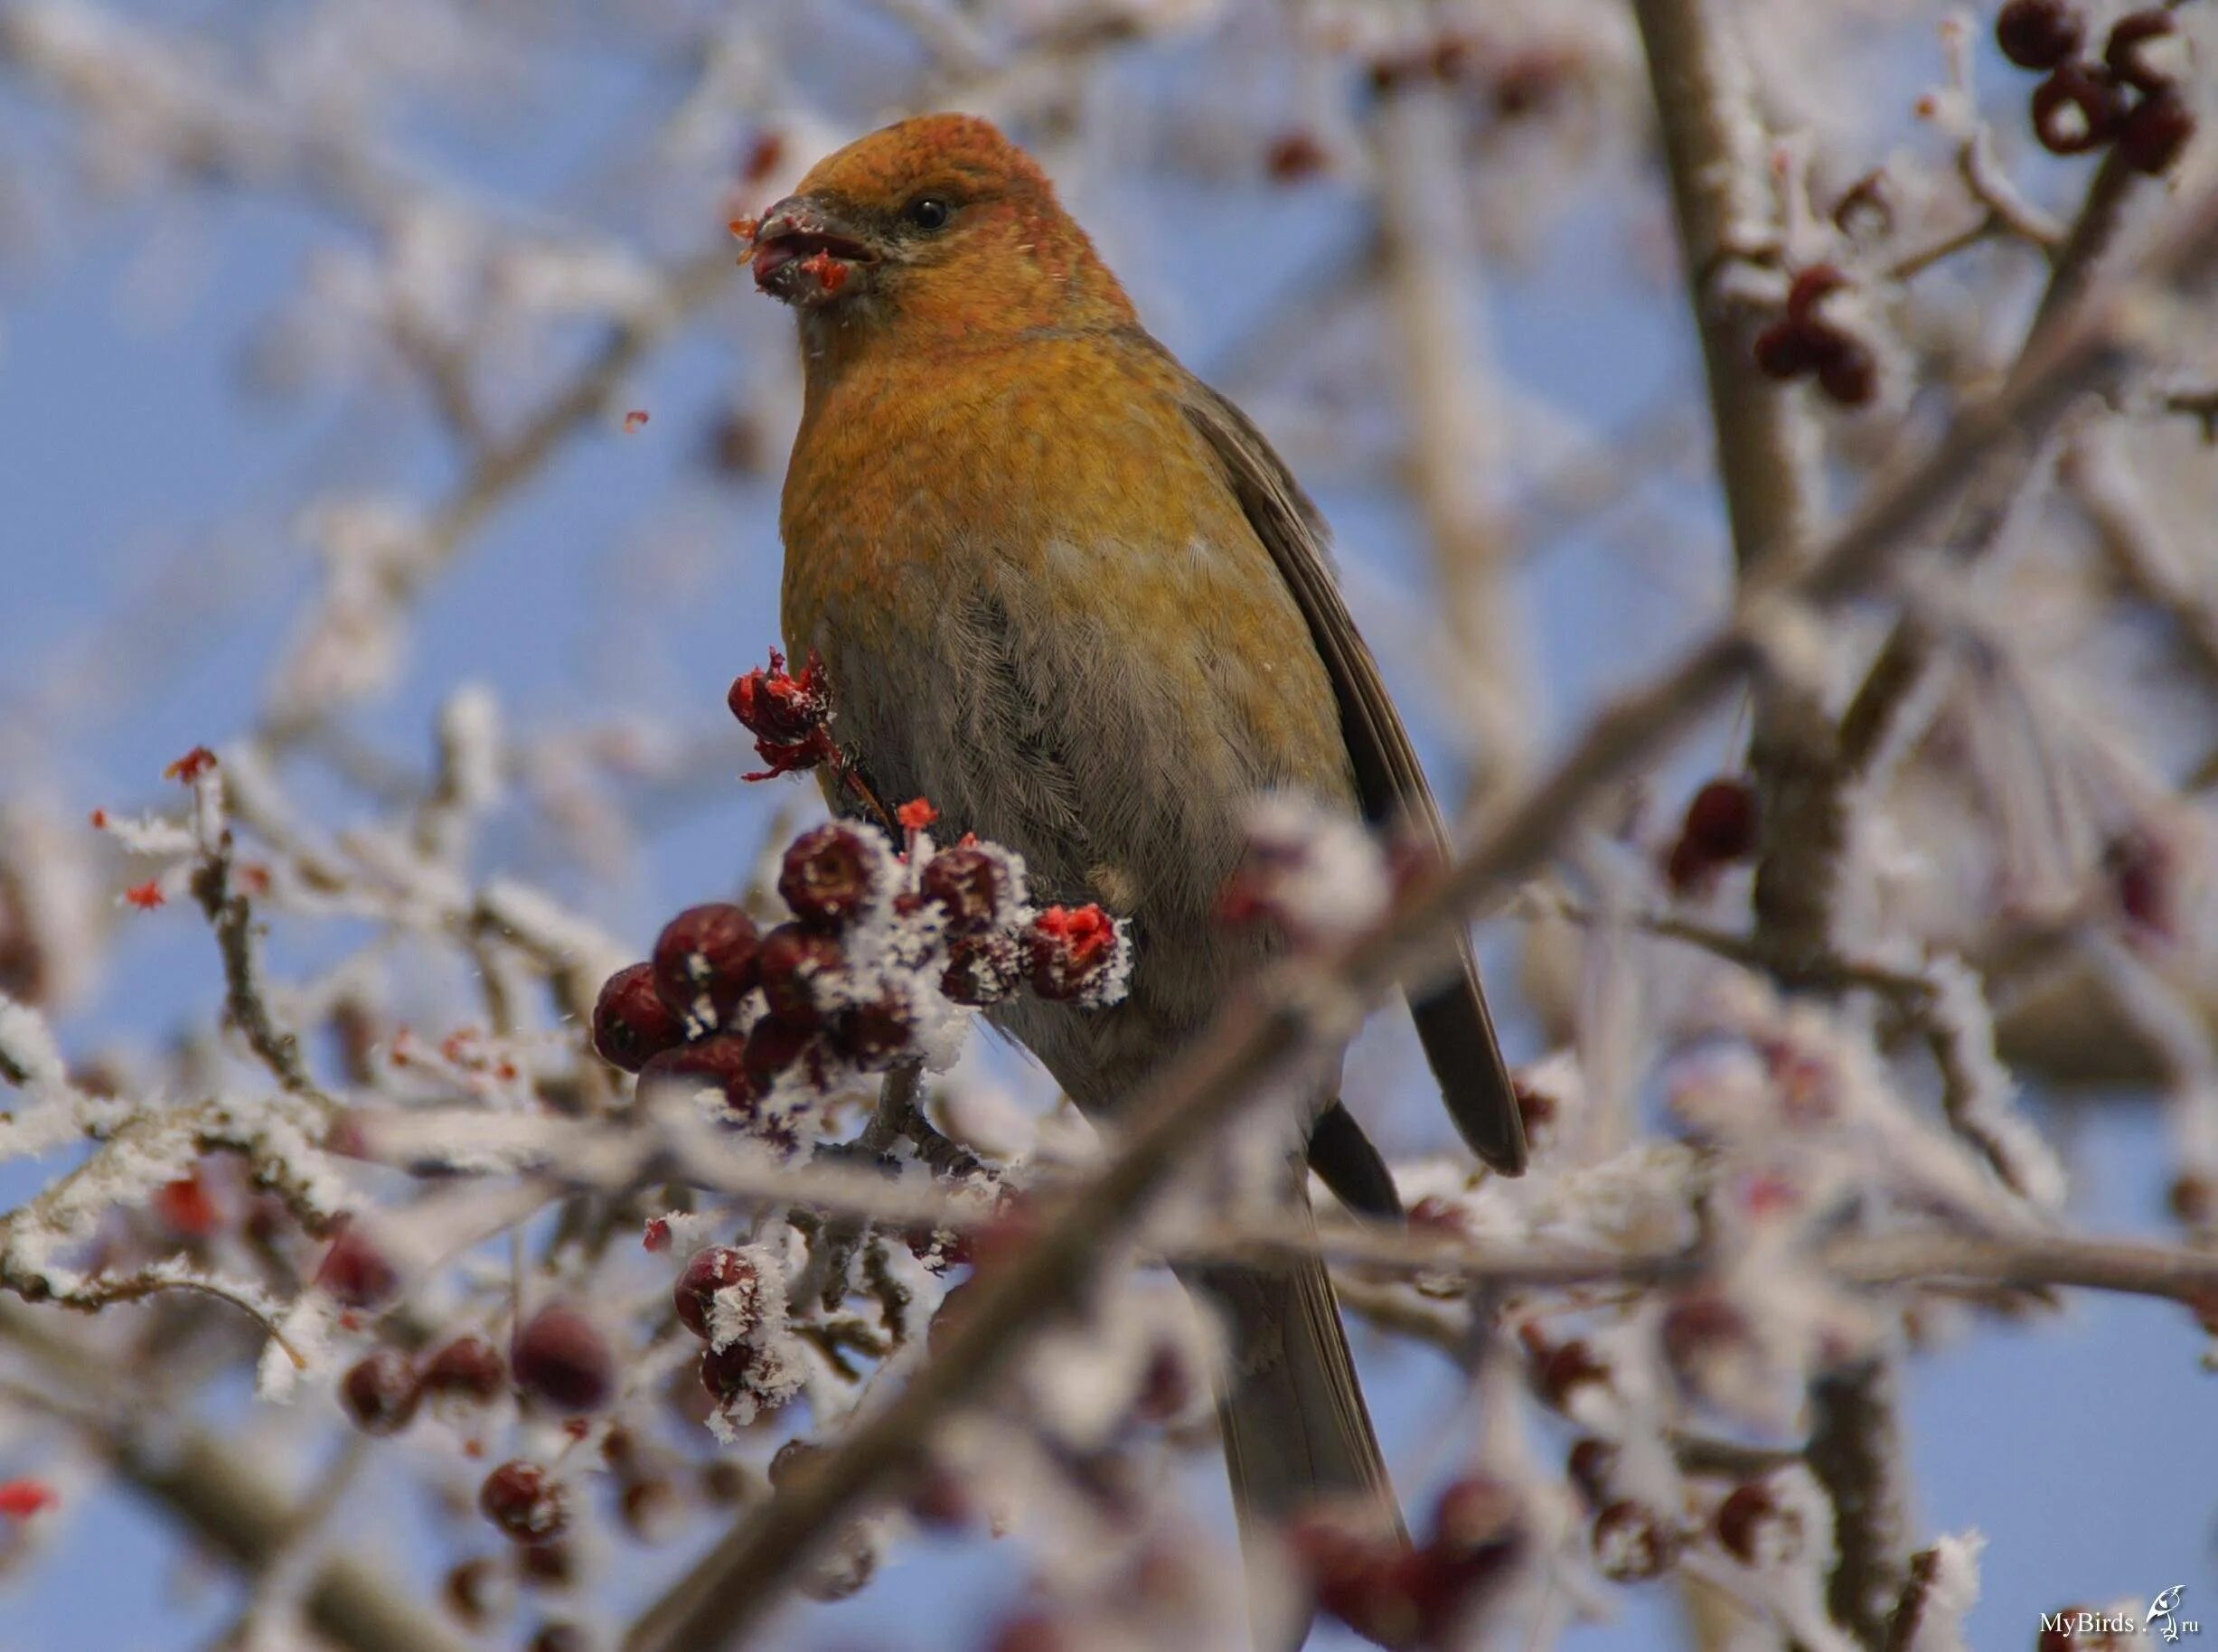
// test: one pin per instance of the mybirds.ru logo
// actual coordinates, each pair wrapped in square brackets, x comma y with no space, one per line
[2162,1619]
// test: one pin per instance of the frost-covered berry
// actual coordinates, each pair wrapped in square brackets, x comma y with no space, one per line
[379,1392]
[2076,110]
[788,713]
[1589,1466]
[1633,1543]
[355,1271]
[718,1268]
[1755,1529]
[2153,135]
[730,1373]
[830,875]
[526,1502]
[1560,1371]
[562,1357]
[981,969]
[796,962]
[467,1368]
[874,1033]
[774,1046]
[631,1023]
[715,1063]
[1070,952]
[2038,34]
[707,952]
[970,885]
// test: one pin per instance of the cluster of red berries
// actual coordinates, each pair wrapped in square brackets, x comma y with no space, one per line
[881,951]
[2128,99]
[1804,341]
[1404,1594]
[558,1358]
[719,1297]
[1719,830]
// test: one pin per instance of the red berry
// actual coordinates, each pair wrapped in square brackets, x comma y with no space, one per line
[631,1022]
[829,875]
[729,1371]
[354,1273]
[780,706]
[1741,1518]
[2038,34]
[1633,1543]
[981,969]
[2125,53]
[877,1032]
[2076,110]
[560,1638]
[524,1501]
[1696,1325]
[1786,348]
[1589,1466]
[1722,820]
[1295,155]
[706,952]
[468,1369]
[2140,870]
[2193,1199]
[379,1392]
[1810,286]
[969,884]
[1069,951]
[547,1565]
[473,1592]
[774,1046]
[717,1063]
[794,961]
[717,1267]
[561,1356]
[1847,370]
[2158,127]
[1560,1371]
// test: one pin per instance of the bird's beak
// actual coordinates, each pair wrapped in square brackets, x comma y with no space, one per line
[803,254]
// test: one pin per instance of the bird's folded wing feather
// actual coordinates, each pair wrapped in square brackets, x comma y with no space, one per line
[1452,1017]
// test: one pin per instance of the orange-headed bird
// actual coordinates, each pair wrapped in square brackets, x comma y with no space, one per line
[1066,592]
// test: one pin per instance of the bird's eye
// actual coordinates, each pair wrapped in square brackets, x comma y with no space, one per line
[929,212]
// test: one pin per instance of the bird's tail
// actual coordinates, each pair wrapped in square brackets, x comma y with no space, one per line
[1296,1431]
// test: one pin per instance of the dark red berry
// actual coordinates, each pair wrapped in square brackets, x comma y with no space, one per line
[717,1267]
[981,969]
[1722,820]
[969,885]
[1589,1466]
[562,1357]
[2038,34]
[706,953]
[717,1063]
[1560,1371]
[524,1501]
[1787,348]
[774,1046]
[829,875]
[2154,131]
[2193,1199]
[1294,156]
[2076,110]
[467,1368]
[1069,951]
[788,714]
[1810,286]
[1696,1324]
[356,1272]
[794,960]
[1633,1543]
[1739,1516]
[560,1638]
[379,1392]
[1847,370]
[2141,874]
[2126,55]
[875,1033]
[631,1022]
[547,1565]
[651,1507]
[473,1592]
[729,1371]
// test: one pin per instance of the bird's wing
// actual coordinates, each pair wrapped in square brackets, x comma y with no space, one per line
[1452,1021]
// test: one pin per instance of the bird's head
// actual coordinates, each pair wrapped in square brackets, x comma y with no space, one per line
[937,228]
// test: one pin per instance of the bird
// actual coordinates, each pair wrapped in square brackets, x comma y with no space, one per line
[1066,592]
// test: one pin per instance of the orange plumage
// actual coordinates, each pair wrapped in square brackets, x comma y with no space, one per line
[1067,593]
